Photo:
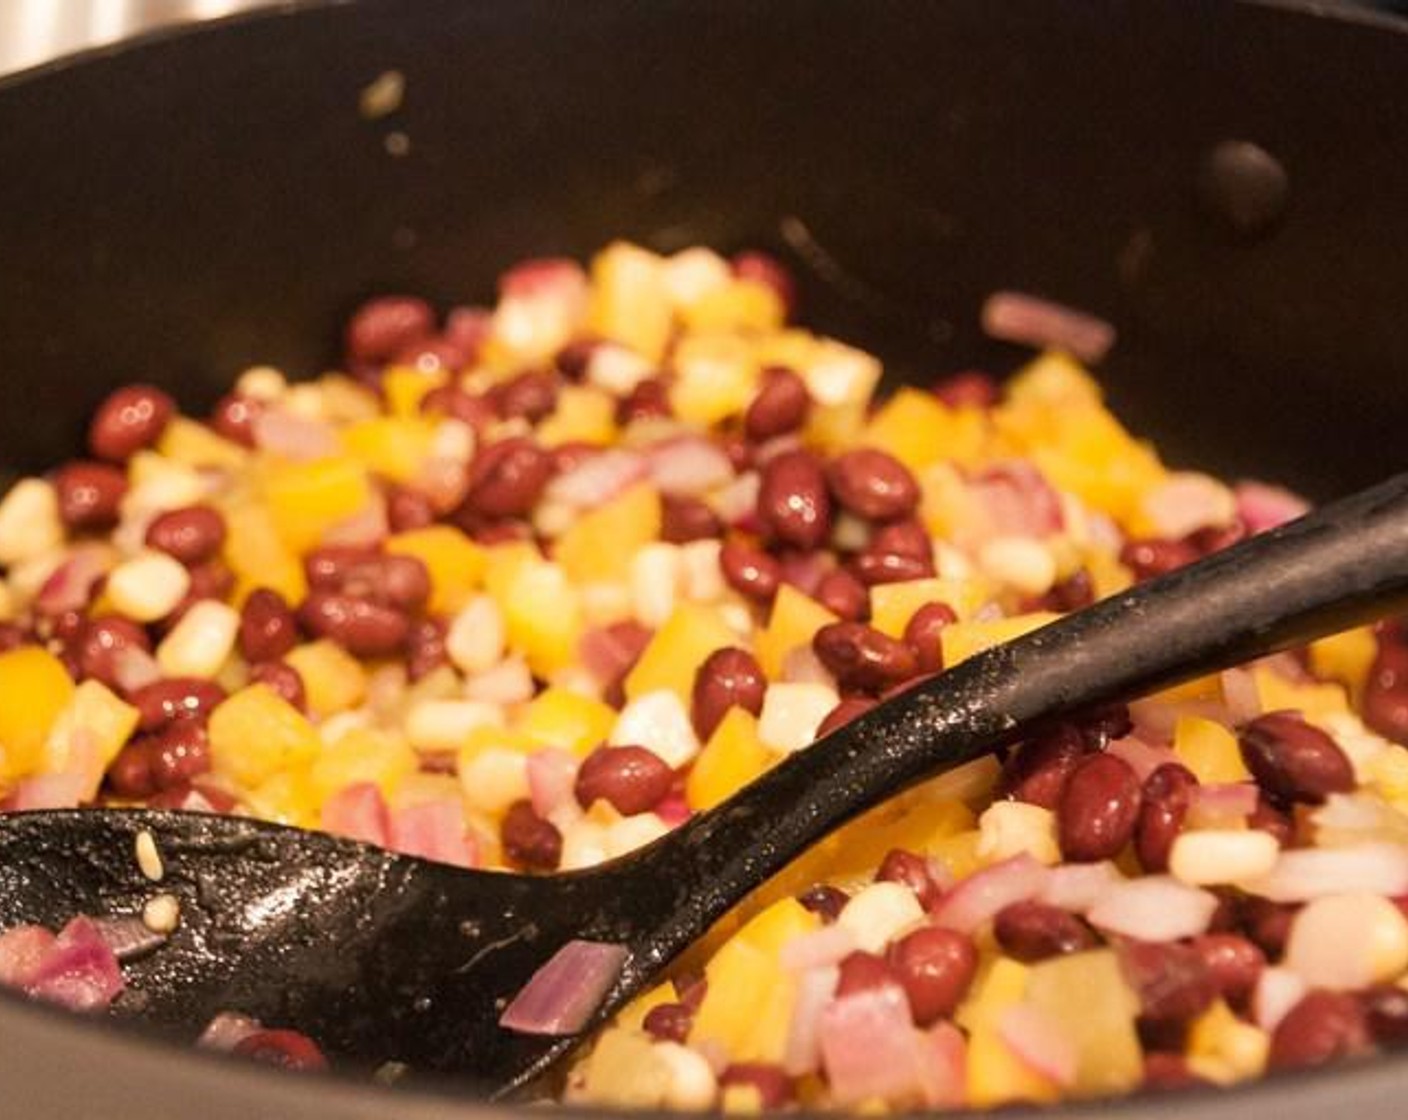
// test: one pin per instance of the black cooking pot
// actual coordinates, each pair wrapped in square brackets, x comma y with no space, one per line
[178,209]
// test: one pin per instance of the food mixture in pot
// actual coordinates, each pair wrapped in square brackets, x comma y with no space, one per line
[527,587]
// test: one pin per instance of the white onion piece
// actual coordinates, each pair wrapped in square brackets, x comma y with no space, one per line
[869,1047]
[552,774]
[1078,886]
[825,946]
[508,682]
[1277,991]
[1038,1043]
[562,996]
[1154,908]
[738,501]
[1018,501]
[134,668]
[1222,805]
[1239,693]
[943,1070]
[688,467]
[227,1030]
[70,585]
[802,1051]
[1032,321]
[597,478]
[1143,758]
[801,665]
[364,529]
[1306,873]
[980,896]
[46,791]
[1262,506]
[293,437]
[1347,941]
[1186,502]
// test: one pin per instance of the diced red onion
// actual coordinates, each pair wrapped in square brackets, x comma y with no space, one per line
[444,482]
[359,812]
[362,530]
[508,682]
[674,810]
[81,972]
[129,938]
[980,896]
[688,466]
[815,987]
[47,791]
[1018,501]
[1222,805]
[293,437]
[563,995]
[556,278]
[824,946]
[606,654]
[435,830]
[227,1030]
[943,1073]
[1154,908]
[870,1049]
[1188,502]
[1239,693]
[1078,886]
[1143,758]
[1031,321]
[467,329]
[552,773]
[1277,991]
[1038,1043]
[597,479]
[1306,873]
[70,585]
[1261,506]
[805,570]
[134,668]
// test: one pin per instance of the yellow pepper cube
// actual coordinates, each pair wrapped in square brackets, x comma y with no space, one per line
[918,429]
[630,301]
[363,755]
[1346,658]
[1087,997]
[88,733]
[961,640]
[740,305]
[286,797]
[307,499]
[582,415]
[599,545]
[1276,694]
[455,563]
[1224,1049]
[194,445]
[333,679]
[406,386]
[892,605]
[632,1016]
[543,616]
[258,556]
[1052,381]
[256,734]
[557,717]
[995,1074]
[676,651]
[733,757]
[34,689]
[395,447]
[716,376]
[1209,750]
[794,619]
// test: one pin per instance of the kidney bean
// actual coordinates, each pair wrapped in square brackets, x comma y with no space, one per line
[825,901]
[210,579]
[453,402]
[12,636]
[780,406]
[1166,1072]
[1033,931]
[383,327]
[129,775]
[284,679]
[668,1022]
[132,418]
[843,595]
[1321,1028]
[332,566]
[872,567]
[843,713]
[531,395]
[292,1050]
[726,678]
[650,399]
[969,389]
[1098,809]
[1268,924]
[1293,760]
[862,658]
[573,360]
[1149,558]
[1038,770]
[175,698]
[923,633]
[507,477]
[530,841]
[687,519]
[1071,594]
[191,535]
[1386,1013]
[1386,691]
[1214,538]
[90,494]
[425,647]
[750,571]
[1172,981]
[179,752]
[362,628]
[632,779]
[402,582]
[268,628]
[873,484]
[864,972]
[1103,723]
[906,537]
[233,418]
[621,647]
[936,968]
[900,866]
[793,502]
[1269,818]
[102,641]
[1234,963]
[766,269]
[774,1087]
[408,509]
[1164,803]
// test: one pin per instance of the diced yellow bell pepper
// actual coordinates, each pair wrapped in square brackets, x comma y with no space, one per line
[1086,995]
[88,733]
[1277,694]
[740,305]
[630,302]
[557,717]
[34,689]
[582,415]
[496,738]
[395,447]
[600,544]
[892,605]
[961,640]
[918,429]
[795,618]
[959,853]
[1346,658]
[542,614]
[285,797]
[333,679]
[1224,1049]
[632,1016]
[676,651]
[716,376]
[258,556]
[307,499]
[793,347]
[1209,750]
[733,757]
[255,734]
[194,445]
[456,564]
[1052,381]
[364,754]
[995,1074]
[503,563]
[406,386]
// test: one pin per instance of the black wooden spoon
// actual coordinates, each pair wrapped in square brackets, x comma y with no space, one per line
[386,958]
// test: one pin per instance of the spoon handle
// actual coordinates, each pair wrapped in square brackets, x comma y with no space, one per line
[1341,565]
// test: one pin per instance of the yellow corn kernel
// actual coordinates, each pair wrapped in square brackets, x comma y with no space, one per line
[918,429]
[892,605]
[740,305]
[677,650]
[455,563]
[1209,750]
[557,717]
[582,415]
[362,755]
[395,447]
[258,556]
[1087,997]
[1346,658]
[88,733]
[794,619]
[405,387]
[716,377]
[1224,1049]
[256,734]
[194,445]
[600,545]
[961,640]
[733,757]
[34,689]
[630,301]
[542,615]
[1277,694]
[307,499]
[333,679]
[1388,772]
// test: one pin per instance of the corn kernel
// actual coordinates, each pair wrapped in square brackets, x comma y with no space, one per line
[494,779]
[148,587]
[445,725]
[656,572]
[1208,857]
[1009,828]
[201,643]
[1347,941]
[659,722]
[475,638]
[29,521]
[792,713]
[879,913]
[1022,563]
[1224,1049]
